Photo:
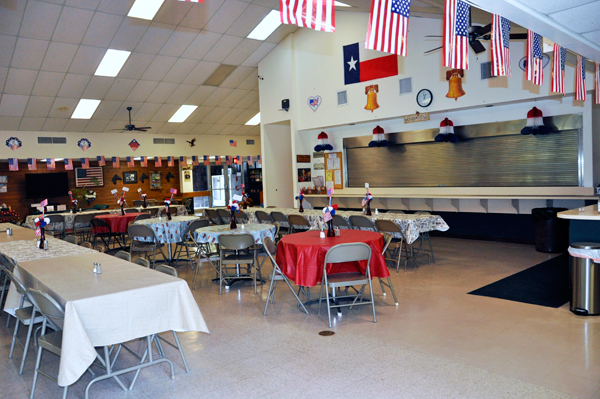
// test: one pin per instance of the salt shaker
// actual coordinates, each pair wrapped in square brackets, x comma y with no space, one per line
[46,245]
[99,268]
[95,267]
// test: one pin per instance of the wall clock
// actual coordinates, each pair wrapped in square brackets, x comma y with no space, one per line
[424,98]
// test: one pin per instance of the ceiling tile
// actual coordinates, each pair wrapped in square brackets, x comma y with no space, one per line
[229,130]
[172,12]
[76,125]
[200,95]
[241,52]
[200,128]
[97,87]
[237,77]
[201,72]
[13,105]
[215,115]
[146,111]
[230,115]
[54,125]
[243,130]
[201,13]
[3,75]
[56,1]
[159,67]
[155,38]
[60,102]
[162,92]
[117,7]
[48,83]
[222,48]
[122,112]
[7,46]
[108,109]
[551,6]
[142,90]
[217,96]
[185,128]
[273,4]
[165,112]
[38,106]
[593,36]
[251,82]
[96,125]
[29,53]
[10,122]
[120,89]
[20,81]
[129,34]
[180,70]
[59,56]
[579,19]
[254,131]
[72,25]
[11,16]
[203,42]
[200,114]
[87,4]
[281,33]
[136,65]
[168,128]
[250,100]
[102,29]
[225,16]
[244,117]
[234,98]
[155,126]
[251,17]
[115,125]
[31,124]
[182,93]
[179,41]
[215,129]
[73,85]
[39,20]
[86,60]
[259,54]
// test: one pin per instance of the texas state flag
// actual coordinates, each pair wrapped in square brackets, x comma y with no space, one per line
[361,65]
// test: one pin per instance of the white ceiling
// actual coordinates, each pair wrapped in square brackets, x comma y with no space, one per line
[50,49]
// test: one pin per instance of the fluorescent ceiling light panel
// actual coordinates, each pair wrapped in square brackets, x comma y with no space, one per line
[340,4]
[182,113]
[255,120]
[266,26]
[85,109]
[112,63]
[145,9]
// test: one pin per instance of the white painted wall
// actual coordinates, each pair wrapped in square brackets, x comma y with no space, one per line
[278,178]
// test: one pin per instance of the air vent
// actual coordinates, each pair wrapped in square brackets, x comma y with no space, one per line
[405,86]
[249,142]
[342,97]
[163,141]
[486,70]
[52,140]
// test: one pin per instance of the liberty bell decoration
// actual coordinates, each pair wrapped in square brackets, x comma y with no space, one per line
[454,78]
[371,92]
[446,134]
[535,123]
[323,143]
[378,138]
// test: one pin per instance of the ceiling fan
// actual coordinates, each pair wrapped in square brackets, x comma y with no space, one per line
[477,33]
[130,127]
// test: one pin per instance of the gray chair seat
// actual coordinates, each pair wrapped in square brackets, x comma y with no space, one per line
[51,342]
[334,279]
[247,256]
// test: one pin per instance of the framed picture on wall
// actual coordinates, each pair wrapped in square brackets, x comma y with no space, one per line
[155,181]
[303,175]
[130,177]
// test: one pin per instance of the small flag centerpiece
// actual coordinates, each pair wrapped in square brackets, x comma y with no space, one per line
[367,201]
[142,197]
[168,202]
[535,123]
[233,207]
[329,213]
[73,202]
[40,224]
[300,197]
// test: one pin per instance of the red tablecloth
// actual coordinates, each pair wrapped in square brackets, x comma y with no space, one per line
[300,256]
[117,223]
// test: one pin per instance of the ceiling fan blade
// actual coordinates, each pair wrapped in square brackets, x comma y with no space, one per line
[142,127]
[140,130]
[433,49]
[116,130]
[484,30]
[518,36]
[477,46]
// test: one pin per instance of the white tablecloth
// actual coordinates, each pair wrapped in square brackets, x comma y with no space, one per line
[169,231]
[123,303]
[211,234]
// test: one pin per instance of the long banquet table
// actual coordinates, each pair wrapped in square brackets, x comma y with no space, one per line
[411,224]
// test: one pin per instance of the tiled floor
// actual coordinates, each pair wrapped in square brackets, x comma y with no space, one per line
[438,343]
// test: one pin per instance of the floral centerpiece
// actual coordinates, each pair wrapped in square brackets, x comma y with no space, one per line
[40,224]
[329,213]
[142,197]
[233,207]
[367,201]
[300,197]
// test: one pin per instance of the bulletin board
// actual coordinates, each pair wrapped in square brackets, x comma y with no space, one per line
[334,169]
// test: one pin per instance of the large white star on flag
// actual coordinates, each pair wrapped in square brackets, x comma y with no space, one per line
[352,63]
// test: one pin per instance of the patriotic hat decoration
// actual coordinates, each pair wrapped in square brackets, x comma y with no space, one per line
[368,197]
[40,223]
[329,210]
[446,132]
[535,123]
[168,200]
[141,194]
[323,143]
[300,196]
[378,138]
[234,206]
[73,200]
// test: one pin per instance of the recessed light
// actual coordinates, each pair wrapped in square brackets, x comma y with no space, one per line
[340,4]
[85,109]
[183,113]
[112,63]
[145,9]
[255,120]
[266,26]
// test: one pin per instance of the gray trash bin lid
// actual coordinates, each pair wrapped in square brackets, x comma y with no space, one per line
[586,245]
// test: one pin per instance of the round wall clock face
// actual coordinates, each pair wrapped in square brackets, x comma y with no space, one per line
[424,98]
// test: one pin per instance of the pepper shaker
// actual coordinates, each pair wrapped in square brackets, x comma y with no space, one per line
[46,245]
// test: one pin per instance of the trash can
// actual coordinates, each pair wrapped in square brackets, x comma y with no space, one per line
[551,233]
[585,279]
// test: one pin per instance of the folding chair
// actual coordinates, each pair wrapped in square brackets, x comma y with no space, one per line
[298,224]
[213,216]
[340,222]
[101,230]
[230,253]
[56,225]
[143,240]
[142,262]
[361,223]
[283,221]
[188,242]
[263,217]
[205,253]
[425,236]
[123,255]
[388,239]
[131,210]
[86,245]
[82,227]
[225,215]
[387,226]
[277,275]
[351,252]
[71,239]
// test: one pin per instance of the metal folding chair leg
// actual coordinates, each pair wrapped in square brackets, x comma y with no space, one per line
[389,285]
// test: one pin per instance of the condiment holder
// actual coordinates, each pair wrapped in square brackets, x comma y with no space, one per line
[97,268]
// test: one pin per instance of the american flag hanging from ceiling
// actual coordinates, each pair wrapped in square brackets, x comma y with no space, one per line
[558,69]
[456,34]
[315,14]
[580,93]
[535,71]
[388,26]
[500,46]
